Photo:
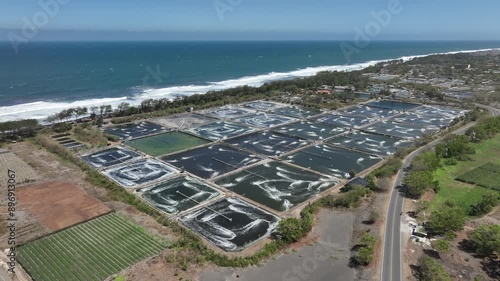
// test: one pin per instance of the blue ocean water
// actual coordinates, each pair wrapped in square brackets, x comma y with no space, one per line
[46,77]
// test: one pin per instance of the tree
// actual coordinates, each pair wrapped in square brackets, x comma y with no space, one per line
[364,256]
[447,218]
[417,182]
[290,230]
[122,108]
[485,240]
[426,162]
[368,240]
[430,270]
[441,246]
[485,205]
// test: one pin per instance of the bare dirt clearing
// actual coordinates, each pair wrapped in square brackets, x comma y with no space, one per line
[58,204]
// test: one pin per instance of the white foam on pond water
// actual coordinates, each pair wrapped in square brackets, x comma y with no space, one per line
[276,183]
[231,223]
[139,173]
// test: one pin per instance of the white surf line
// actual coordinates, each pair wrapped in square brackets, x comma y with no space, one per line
[238,168]
[199,203]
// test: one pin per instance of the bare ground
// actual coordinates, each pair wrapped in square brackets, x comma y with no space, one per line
[459,263]
[59,205]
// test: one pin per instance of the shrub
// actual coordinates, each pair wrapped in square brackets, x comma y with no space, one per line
[290,230]
[485,240]
[430,270]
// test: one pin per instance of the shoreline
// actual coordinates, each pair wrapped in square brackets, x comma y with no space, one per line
[41,109]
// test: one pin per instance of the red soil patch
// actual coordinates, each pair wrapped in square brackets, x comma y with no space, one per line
[58,205]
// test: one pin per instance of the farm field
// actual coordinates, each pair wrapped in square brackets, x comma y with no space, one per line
[58,205]
[9,160]
[487,175]
[465,194]
[89,251]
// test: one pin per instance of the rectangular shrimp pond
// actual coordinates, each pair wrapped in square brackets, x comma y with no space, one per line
[297,112]
[264,120]
[111,157]
[135,130]
[231,223]
[166,143]
[311,130]
[335,119]
[179,194]
[332,161]
[211,161]
[367,111]
[276,185]
[139,173]
[393,105]
[226,112]
[371,143]
[268,143]
[401,130]
[261,105]
[221,130]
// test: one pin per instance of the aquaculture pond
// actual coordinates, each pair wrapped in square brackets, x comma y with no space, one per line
[179,194]
[166,143]
[268,143]
[211,161]
[311,130]
[221,130]
[110,157]
[139,173]
[130,131]
[332,161]
[276,185]
[231,223]
[371,143]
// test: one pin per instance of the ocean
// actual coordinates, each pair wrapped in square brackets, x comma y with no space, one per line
[47,77]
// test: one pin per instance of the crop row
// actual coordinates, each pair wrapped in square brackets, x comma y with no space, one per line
[486,176]
[89,251]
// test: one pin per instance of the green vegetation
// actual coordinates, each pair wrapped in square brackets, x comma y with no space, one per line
[90,251]
[449,218]
[86,133]
[290,230]
[485,129]
[431,270]
[456,147]
[421,177]
[392,167]
[464,194]
[441,246]
[487,175]
[485,240]
[417,182]
[364,254]
[348,199]
[13,130]
[486,204]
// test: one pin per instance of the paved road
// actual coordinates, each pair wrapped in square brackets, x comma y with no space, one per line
[392,263]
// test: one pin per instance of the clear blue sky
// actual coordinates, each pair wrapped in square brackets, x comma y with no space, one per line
[255,19]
